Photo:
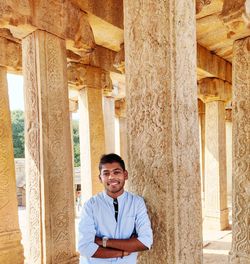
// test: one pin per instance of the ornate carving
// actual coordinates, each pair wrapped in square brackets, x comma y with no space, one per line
[241,151]
[200,4]
[10,236]
[48,130]
[163,124]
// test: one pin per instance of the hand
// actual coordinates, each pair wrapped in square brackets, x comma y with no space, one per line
[98,241]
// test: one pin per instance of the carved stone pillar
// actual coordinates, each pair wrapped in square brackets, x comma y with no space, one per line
[109,123]
[11,250]
[240,252]
[120,112]
[50,199]
[201,111]
[91,131]
[162,115]
[215,92]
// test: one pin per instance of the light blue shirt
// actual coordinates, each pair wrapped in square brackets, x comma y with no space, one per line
[98,219]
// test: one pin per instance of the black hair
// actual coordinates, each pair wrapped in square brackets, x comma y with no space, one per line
[110,158]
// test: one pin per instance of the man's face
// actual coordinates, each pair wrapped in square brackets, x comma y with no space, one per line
[113,178]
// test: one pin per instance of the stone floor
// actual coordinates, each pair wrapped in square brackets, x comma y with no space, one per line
[216,244]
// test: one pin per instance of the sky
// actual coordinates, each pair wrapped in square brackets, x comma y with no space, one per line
[16,97]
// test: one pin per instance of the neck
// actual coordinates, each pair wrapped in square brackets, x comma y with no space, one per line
[115,195]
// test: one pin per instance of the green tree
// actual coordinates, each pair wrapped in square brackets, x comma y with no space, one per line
[75,125]
[17,118]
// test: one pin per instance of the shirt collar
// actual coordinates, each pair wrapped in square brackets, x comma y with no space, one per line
[110,199]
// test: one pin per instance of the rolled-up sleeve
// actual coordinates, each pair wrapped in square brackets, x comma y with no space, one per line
[86,245]
[143,225]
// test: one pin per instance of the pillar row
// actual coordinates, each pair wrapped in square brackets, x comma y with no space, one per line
[240,251]
[11,250]
[50,200]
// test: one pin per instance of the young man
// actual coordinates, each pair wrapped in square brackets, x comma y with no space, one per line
[114,224]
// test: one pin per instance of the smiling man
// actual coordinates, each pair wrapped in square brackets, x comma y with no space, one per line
[114,224]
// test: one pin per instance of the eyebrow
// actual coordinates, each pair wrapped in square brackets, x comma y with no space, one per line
[113,169]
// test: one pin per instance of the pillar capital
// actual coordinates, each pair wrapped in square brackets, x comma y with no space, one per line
[228,114]
[10,54]
[61,18]
[201,107]
[120,108]
[213,89]
[119,62]
[73,105]
[82,76]
[236,15]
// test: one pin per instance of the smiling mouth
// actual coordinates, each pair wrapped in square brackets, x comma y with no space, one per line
[113,183]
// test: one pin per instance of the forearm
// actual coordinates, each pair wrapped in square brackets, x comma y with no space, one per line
[108,253]
[129,245]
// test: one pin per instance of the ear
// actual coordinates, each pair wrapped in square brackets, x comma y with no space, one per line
[100,179]
[125,174]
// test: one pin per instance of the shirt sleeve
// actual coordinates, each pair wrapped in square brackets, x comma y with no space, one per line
[86,245]
[143,225]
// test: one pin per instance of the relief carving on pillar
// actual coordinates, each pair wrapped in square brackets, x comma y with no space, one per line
[32,142]
[241,151]
[200,4]
[162,120]
[5,145]
[59,162]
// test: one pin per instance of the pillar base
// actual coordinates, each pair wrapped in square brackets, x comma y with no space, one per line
[11,250]
[238,258]
[73,260]
[216,221]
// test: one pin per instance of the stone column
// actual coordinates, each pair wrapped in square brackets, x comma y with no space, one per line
[229,154]
[109,123]
[215,93]
[240,252]
[92,138]
[163,130]
[216,210]
[120,112]
[11,250]
[201,110]
[50,199]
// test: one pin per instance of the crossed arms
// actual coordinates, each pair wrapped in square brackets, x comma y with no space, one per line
[118,247]
[90,245]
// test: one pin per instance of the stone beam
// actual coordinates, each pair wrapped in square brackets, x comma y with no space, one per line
[211,65]
[10,55]
[111,11]
[62,19]
[213,89]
